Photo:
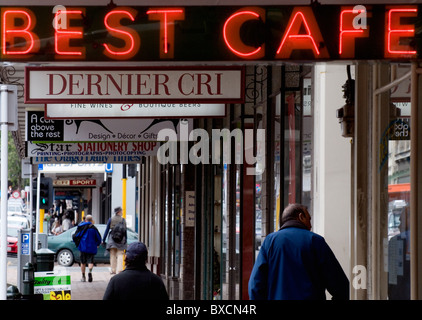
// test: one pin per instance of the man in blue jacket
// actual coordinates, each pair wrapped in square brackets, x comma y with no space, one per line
[296,264]
[90,239]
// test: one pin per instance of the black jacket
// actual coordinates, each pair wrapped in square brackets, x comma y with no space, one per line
[136,283]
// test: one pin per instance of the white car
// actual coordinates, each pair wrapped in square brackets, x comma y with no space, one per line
[19,221]
[14,208]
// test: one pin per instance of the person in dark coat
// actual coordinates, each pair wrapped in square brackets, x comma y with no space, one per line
[296,264]
[136,282]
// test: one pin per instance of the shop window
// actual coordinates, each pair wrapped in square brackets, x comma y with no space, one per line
[398,215]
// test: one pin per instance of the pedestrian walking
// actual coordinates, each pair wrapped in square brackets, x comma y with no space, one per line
[399,260]
[136,282]
[87,238]
[296,264]
[115,238]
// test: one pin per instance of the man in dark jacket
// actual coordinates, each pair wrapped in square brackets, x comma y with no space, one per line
[90,239]
[136,282]
[296,264]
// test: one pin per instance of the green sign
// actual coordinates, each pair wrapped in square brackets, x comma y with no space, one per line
[53,285]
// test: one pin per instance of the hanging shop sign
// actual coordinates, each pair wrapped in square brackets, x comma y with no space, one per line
[133,110]
[134,84]
[211,33]
[74,183]
[73,168]
[90,152]
[84,159]
[40,129]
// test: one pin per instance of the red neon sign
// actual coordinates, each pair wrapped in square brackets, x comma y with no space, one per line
[166,18]
[62,37]
[129,36]
[294,40]
[18,24]
[389,34]
[397,33]
[231,32]
[348,33]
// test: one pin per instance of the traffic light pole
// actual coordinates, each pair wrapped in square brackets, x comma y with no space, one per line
[4,181]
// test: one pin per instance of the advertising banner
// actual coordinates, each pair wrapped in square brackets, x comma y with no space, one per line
[91,152]
[40,129]
[53,285]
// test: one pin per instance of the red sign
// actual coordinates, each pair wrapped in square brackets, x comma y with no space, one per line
[74,183]
[210,33]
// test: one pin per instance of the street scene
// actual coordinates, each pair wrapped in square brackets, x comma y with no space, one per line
[207,151]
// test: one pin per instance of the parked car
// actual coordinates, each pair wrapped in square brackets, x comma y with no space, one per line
[20,221]
[12,239]
[14,208]
[14,223]
[67,253]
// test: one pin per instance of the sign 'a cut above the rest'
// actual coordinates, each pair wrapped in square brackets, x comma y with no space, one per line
[134,84]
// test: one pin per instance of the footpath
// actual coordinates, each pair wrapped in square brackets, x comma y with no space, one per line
[79,290]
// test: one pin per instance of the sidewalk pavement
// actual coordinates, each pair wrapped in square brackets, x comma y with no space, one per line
[79,290]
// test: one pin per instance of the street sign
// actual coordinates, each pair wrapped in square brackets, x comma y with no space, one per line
[25,244]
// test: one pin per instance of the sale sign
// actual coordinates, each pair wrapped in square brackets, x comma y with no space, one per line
[53,285]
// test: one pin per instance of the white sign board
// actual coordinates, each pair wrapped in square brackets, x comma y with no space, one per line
[133,110]
[73,168]
[134,84]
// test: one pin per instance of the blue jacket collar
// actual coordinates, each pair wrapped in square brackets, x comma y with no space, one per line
[293,224]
